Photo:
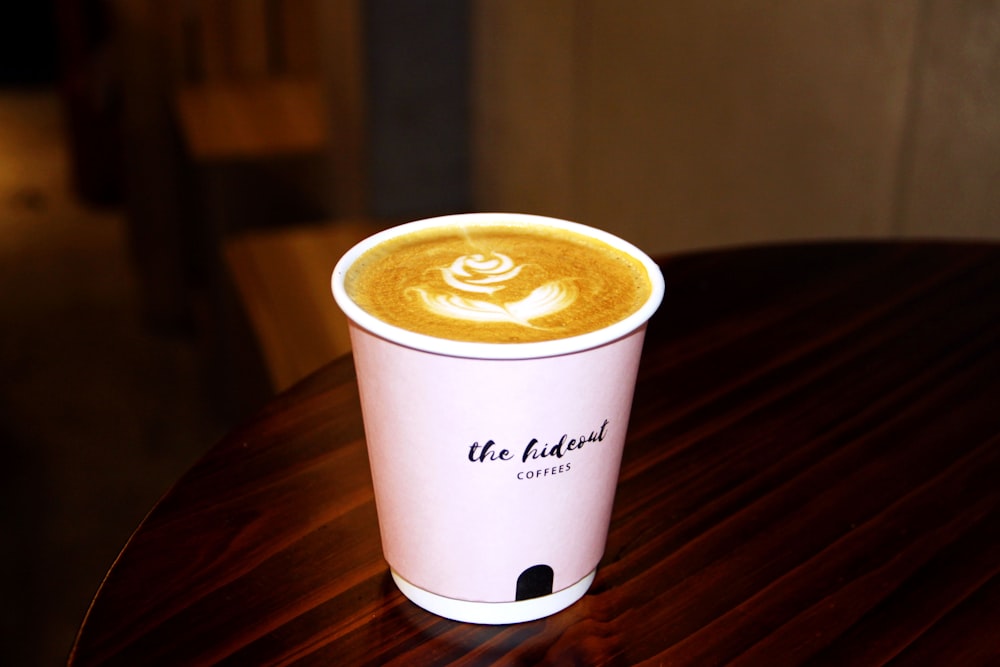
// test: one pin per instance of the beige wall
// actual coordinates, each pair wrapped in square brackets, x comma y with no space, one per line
[685,125]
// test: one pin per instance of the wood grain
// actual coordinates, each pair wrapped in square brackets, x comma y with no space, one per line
[810,476]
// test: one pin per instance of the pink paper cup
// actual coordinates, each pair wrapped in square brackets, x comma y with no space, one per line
[494,465]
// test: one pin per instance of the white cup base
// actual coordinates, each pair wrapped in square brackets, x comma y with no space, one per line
[494,613]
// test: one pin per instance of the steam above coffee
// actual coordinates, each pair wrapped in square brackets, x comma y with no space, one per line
[498,283]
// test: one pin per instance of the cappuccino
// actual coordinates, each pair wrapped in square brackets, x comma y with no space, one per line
[496,355]
[499,281]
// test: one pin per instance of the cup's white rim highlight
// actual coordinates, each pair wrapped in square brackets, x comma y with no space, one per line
[483,350]
[494,613]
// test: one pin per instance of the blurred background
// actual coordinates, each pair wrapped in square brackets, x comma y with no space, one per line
[178,178]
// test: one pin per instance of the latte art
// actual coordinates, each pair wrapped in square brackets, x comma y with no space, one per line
[479,275]
[464,271]
[501,283]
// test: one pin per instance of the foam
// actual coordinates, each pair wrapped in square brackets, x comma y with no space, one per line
[498,283]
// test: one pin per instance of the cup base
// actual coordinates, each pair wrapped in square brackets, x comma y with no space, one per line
[494,613]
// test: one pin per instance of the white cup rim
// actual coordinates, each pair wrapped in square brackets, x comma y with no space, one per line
[482,350]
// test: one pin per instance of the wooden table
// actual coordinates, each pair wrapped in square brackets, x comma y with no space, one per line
[812,473]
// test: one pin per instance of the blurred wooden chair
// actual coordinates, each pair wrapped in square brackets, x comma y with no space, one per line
[248,77]
[411,149]
[267,99]
[269,115]
[283,281]
[252,112]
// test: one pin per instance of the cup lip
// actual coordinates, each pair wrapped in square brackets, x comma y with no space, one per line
[486,350]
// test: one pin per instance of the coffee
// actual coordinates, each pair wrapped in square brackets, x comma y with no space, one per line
[496,356]
[498,282]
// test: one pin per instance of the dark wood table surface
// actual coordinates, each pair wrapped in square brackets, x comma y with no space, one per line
[812,474]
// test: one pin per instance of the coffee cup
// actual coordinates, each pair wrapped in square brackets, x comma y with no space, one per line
[496,357]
